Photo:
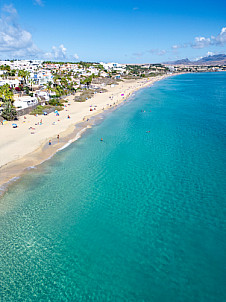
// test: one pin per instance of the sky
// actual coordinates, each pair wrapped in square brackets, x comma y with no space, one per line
[126,31]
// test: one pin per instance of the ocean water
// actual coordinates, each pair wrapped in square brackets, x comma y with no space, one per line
[137,217]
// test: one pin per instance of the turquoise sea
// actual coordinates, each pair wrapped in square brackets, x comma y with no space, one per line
[137,217]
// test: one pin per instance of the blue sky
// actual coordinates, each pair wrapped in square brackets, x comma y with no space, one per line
[125,31]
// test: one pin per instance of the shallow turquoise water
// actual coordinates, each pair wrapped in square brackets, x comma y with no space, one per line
[138,217]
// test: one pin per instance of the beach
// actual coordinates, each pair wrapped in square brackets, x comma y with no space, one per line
[137,217]
[28,144]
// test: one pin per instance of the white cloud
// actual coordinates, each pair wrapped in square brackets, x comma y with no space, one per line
[162,52]
[57,53]
[75,56]
[198,58]
[10,9]
[201,42]
[39,2]
[138,54]
[17,43]
[221,38]
[154,51]
[157,52]
[209,53]
[60,52]
[15,40]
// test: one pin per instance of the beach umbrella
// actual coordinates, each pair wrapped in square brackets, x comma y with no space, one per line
[14,125]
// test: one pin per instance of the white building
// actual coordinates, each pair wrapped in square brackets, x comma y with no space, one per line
[11,83]
[42,77]
[25,102]
[114,66]
[43,96]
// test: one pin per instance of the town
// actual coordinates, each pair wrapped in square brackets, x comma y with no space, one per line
[38,87]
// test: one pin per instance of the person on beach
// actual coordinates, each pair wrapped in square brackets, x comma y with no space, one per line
[50,143]
[58,137]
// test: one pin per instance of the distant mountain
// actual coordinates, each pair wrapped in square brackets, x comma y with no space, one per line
[214,60]
[209,60]
[183,61]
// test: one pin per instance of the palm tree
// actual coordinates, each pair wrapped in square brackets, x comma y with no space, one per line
[24,74]
[59,91]
[9,112]
[6,93]
[63,82]
[49,86]
[31,82]
[12,73]
[5,67]
[56,78]
[87,81]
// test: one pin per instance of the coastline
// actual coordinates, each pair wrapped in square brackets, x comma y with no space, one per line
[26,151]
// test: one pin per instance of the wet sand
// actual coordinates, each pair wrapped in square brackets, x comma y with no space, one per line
[22,150]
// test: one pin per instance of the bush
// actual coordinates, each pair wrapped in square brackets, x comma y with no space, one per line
[26,89]
[9,112]
[49,108]
[54,102]
[38,110]
[87,94]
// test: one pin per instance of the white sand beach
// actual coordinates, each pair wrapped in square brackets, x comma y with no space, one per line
[27,140]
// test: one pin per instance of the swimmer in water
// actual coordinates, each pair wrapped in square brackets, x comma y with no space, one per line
[101,139]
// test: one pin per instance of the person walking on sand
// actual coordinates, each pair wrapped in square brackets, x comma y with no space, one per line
[58,137]
[50,143]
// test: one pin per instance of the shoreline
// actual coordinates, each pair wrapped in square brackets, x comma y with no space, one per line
[12,170]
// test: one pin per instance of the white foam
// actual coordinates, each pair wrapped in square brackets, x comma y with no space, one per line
[3,187]
[78,135]
[31,167]
[65,146]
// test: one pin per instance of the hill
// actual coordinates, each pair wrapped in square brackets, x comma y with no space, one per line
[209,60]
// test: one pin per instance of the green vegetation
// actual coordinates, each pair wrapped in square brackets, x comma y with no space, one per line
[6,96]
[5,67]
[87,94]
[41,109]
[54,101]
[24,74]
[6,93]
[38,110]
[88,80]
[148,70]
[9,112]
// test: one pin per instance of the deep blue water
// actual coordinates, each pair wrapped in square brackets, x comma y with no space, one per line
[137,217]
